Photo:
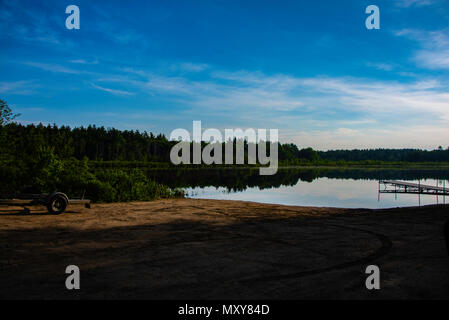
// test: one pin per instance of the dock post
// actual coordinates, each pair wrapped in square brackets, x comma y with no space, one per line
[437,191]
[395,193]
[419,192]
[378,190]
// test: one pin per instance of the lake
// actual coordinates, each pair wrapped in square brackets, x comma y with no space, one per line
[321,187]
[322,192]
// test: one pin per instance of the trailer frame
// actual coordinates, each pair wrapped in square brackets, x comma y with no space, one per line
[55,202]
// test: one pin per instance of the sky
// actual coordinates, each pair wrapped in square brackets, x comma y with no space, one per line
[310,69]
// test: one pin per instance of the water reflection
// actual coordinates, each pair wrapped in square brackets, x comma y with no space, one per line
[322,192]
[335,187]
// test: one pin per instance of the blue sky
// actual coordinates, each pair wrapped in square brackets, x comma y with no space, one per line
[308,68]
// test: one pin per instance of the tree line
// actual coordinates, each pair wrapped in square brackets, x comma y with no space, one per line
[391,155]
[101,144]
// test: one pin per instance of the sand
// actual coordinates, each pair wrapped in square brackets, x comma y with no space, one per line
[211,249]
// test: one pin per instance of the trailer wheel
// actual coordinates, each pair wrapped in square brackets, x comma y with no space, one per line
[57,204]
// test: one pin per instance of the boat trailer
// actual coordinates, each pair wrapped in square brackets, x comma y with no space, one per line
[55,202]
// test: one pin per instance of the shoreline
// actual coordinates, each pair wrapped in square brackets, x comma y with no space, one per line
[222,249]
[429,206]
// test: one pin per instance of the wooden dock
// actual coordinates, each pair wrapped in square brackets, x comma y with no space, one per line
[414,188]
[395,187]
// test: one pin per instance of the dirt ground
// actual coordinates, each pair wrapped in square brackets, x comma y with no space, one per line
[209,249]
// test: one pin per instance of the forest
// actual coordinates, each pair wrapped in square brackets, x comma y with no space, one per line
[101,144]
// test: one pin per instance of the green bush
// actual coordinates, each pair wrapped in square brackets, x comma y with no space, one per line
[133,185]
[45,173]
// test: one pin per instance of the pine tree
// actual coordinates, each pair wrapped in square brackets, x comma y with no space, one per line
[6,114]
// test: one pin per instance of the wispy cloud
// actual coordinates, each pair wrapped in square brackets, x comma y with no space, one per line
[434,59]
[385,96]
[381,66]
[83,61]
[193,67]
[417,3]
[122,35]
[52,67]
[18,87]
[247,93]
[129,70]
[418,136]
[220,90]
[112,91]
[29,25]
[434,52]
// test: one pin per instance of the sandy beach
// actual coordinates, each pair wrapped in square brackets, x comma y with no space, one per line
[210,249]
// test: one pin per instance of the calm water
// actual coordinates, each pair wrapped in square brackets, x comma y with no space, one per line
[322,192]
[322,187]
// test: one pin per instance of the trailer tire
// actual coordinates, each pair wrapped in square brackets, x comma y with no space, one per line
[57,204]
